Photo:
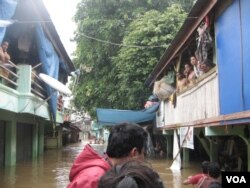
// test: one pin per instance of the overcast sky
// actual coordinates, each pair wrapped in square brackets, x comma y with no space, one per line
[62,12]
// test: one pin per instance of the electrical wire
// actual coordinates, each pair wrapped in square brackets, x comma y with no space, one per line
[123,45]
[31,21]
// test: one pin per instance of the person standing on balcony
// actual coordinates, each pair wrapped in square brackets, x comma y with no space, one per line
[189,74]
[4,56]
[4,59]
[196,66]
[181,82]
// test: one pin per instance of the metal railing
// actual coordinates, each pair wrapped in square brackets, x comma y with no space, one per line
[9,77]
[36,83]
[8,74]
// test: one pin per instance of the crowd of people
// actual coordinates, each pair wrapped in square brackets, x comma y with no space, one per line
[123,164]
[192,70]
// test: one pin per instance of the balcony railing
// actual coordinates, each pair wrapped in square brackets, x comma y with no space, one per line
[36,83]
[8,74]
[196,103]
[18,83]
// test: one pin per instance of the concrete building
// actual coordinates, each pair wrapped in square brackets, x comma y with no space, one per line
[29,115]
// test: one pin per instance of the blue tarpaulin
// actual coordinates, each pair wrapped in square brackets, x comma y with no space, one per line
[7,10]
[114,116]
[50,65]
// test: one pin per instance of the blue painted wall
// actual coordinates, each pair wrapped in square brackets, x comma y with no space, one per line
[245,13]
[233,57]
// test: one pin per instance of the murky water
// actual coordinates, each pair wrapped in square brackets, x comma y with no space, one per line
[52,170]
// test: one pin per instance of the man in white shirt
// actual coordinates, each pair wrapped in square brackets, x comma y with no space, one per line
[196,66]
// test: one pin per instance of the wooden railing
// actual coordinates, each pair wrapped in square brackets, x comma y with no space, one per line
[198,102]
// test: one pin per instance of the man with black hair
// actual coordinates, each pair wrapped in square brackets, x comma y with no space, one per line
[195,178]
[196,66]
[131,174]
[126,141]
[213,176]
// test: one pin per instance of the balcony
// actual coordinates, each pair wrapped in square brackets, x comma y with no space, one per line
[193,104]
[22,91]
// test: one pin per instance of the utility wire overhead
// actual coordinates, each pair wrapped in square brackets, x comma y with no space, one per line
[124,45]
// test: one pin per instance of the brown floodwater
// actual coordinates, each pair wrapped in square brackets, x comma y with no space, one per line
[52,170]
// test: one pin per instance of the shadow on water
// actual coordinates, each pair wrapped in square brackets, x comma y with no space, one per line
[52,170]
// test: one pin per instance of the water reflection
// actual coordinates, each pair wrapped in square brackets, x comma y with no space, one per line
[52,170]
[174,178]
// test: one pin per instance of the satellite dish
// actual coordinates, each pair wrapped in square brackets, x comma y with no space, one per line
[55,84]
[5,23]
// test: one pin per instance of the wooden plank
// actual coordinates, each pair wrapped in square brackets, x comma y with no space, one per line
[198,102]
[214,121]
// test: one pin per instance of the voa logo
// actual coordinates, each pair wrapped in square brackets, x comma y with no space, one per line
[236,179]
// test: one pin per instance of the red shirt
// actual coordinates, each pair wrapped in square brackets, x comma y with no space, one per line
[195,178]
[87,169]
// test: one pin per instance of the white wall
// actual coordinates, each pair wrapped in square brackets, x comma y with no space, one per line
[199,102]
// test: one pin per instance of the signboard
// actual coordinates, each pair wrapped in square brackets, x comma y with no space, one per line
[187,137]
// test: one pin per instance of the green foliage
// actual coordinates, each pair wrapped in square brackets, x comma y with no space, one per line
[113,75]
[154,32]
[186,4]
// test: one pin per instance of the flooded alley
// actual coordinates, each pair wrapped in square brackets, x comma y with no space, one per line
[178,69]
[52,170]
